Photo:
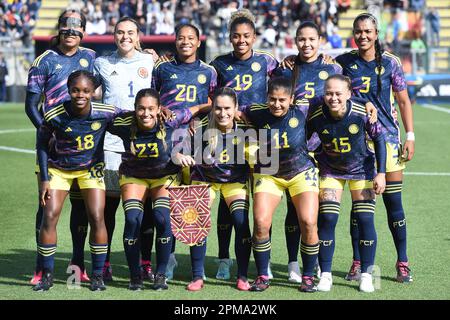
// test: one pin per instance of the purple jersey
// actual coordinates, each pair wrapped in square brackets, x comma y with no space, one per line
[184,85]
[345,153]
[365,85]
[310,83]
[49,72]
[78,141]
[248,77]
[151,158]
[286,134]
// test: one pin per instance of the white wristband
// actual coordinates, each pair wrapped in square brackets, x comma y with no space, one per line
[410,136]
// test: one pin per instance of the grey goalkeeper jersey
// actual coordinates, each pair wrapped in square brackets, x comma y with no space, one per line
[121,78]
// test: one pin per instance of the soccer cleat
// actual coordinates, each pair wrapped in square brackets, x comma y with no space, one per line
[195,285]
[325,283]
[45,283]
[136,283]
[403,272]
[223,272]
[242,284]
[294,272]
[37,276]
[171,265]
[308,284]
[160,282]
[365,283]
[260,284]
[269,271]
[355,271]
[147,272]
[107,272]
[97,283]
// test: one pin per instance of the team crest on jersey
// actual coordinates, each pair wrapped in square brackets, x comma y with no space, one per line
[236,140]
[293,122]
[201,78]
[143,72]
[382,70]
[323,75]
[353,129]
[256,66]
[161,135]
[84,63]
[96,125]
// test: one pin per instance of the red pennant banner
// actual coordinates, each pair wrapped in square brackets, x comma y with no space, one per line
[190,214]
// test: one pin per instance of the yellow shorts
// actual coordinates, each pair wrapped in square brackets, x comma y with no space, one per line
[172,180]
[333,183]
[87,179]
[305,181]
[394,161]
[225,189]
[186,175]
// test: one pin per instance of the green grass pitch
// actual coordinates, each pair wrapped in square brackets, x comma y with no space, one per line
[426,202]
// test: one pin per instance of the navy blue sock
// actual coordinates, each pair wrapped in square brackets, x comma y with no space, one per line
[111,205]
[242,241]
[292,231]
[39,215]
[172,249]
[161,212]
[46,255]
[261,253]
[98,256]
[328,218]
[147,232]
[198,253]
[354,233]
[224,229]
[133,209]
[392,198]
[365,212]
[309,253]
[78,228]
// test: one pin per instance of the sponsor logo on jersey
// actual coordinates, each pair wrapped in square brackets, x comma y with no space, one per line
[143,72]
[114,73]
[293,122]
[256,66]
[96,125]
[69,129]
[382,70]
[58,66]
[174,76]
[325,131]
[323,75]
[266,126]
[236,140]
[258,182]
[354,66]
[161,135]
[229,68]
[84,63]
[201,78]
[353,129]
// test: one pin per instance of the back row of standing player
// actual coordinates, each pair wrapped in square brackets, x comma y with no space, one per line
[185,81]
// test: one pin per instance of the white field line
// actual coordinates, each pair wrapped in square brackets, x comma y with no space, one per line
[17,150]
[16,130]
[436,108]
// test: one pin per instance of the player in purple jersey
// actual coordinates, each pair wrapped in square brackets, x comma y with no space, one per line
[283,164]
[219,148]
[145,172]
[342,126]
[78,128]
[376,75]
[246,71]
[184,81]
[47,81]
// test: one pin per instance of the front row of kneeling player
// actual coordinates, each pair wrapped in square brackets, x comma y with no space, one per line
[151,163]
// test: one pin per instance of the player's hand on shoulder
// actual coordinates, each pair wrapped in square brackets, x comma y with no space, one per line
[167,114]
[372,112]
[288,62]
[240,116]
[166,57]
[327,59]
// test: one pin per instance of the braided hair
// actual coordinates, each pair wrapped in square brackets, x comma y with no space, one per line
[79,74]
[378,48]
